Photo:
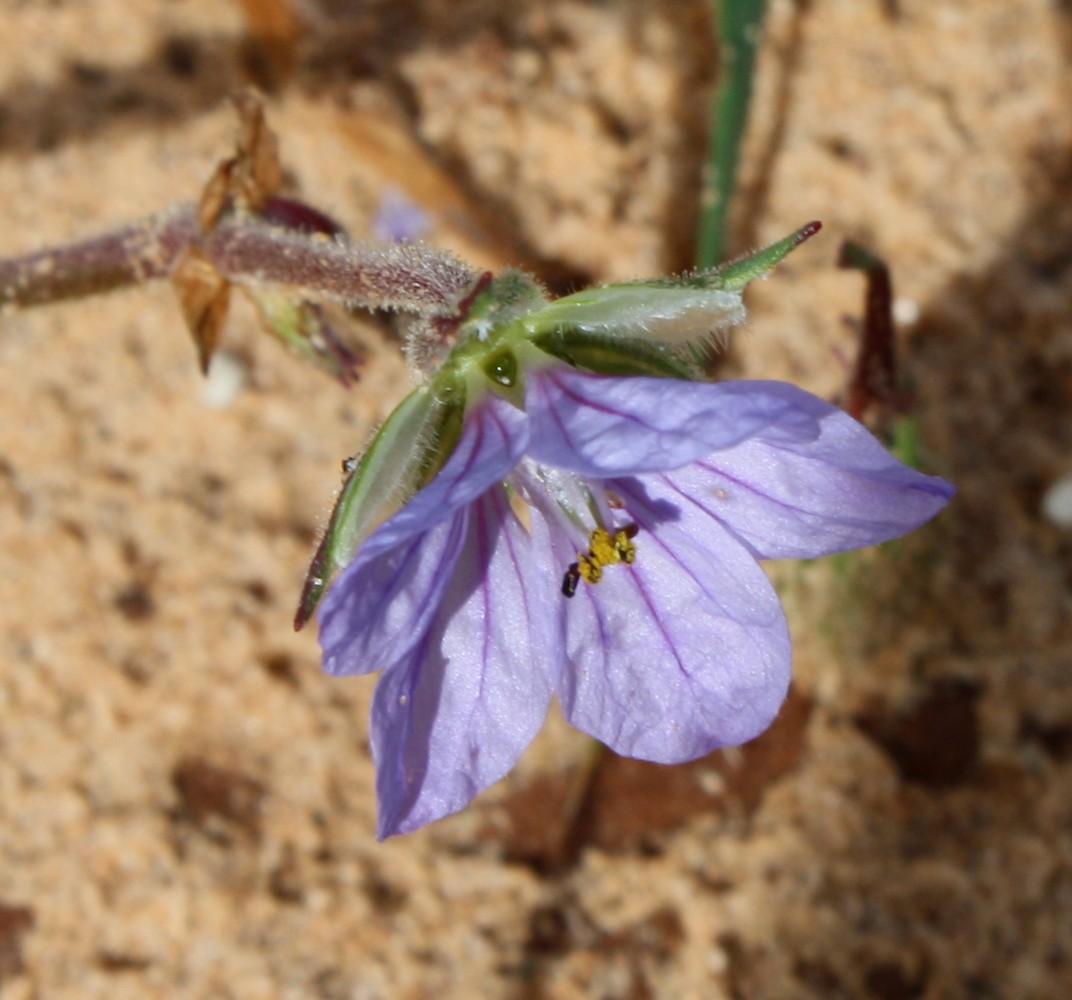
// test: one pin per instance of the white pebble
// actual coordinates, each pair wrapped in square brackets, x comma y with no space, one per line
[227,377]
[905,312]
[1057,502]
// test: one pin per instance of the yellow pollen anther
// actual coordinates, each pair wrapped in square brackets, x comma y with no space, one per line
[603,550]
[625,546]
[591,571]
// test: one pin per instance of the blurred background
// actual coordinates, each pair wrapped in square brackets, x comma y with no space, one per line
[187,804]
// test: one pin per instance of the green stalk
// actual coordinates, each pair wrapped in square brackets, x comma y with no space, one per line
[739,25]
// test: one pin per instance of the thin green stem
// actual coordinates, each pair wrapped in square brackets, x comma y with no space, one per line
[739,25]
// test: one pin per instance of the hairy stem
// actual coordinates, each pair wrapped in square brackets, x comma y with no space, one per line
[138,252]
[398,275]
[245,251]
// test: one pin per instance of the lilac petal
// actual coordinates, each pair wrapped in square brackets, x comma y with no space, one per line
[456,716]
[383,601]
[601,426]
[683,652]
[382,606]
[400,220]
[495,436]
[791,500]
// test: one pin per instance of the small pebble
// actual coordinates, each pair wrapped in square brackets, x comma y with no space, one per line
[227,376]
[906,312]
[1057,502]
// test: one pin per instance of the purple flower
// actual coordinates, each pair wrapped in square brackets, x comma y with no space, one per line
[400,220]
[601,546]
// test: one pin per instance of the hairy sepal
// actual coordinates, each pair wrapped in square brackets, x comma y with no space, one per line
[616,356]
[404,455]
[688,312]
[669,313]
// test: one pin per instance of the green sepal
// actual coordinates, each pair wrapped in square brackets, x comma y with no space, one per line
[736,274]
[405,454]
[615,356]
[687,309]
[508,296]
[663,311]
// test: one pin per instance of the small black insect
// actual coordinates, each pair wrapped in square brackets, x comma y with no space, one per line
[570,580]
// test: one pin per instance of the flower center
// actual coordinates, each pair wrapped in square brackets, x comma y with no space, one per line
[604,549]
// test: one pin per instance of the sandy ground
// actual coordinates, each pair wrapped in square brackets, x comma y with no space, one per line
[186,802]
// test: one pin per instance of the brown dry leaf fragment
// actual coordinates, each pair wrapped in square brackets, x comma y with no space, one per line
[203,296]
[245,181]
[258,170]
